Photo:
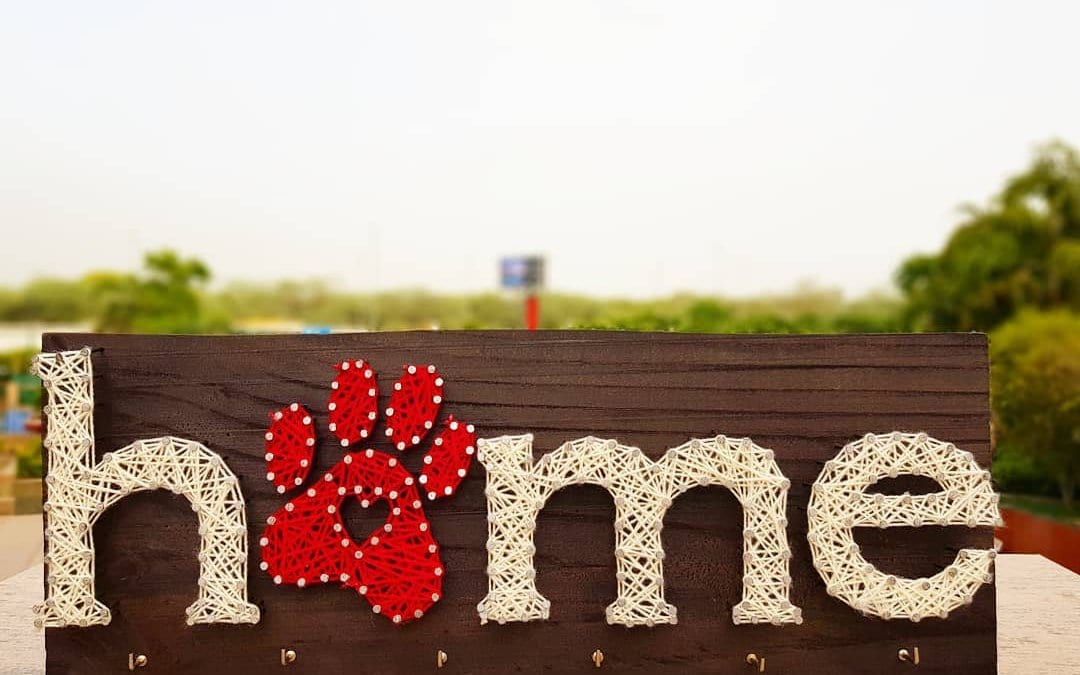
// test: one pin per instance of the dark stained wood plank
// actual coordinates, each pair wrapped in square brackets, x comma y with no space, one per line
[802,396]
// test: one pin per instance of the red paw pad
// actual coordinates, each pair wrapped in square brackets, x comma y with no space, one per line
[290,446]
[414,406]
[447,464]
[354,402]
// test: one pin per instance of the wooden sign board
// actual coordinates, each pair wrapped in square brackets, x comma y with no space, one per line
[804,397]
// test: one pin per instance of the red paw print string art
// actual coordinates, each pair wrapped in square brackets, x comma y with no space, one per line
[397,568]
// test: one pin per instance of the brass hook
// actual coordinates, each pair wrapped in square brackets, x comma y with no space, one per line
[137,661]
[755,660]
[906,656]
[598,658]
[288,657]
[441,658]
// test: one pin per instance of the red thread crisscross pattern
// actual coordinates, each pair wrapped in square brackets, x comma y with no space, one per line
[397,567]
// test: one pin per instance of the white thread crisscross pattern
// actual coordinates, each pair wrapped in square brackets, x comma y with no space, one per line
[643,490]
[839,503]
[79,491]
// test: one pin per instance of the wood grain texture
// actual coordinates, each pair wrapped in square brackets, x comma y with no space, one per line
[1038,606]
[804,397]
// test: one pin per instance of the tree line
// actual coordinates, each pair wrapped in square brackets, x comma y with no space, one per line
[170,295]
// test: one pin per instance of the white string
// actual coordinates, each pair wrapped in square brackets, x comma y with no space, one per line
[838,503]
[80,491]
[643,490]
[517,489]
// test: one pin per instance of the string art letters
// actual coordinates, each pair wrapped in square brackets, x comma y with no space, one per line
[397,568]
[838,503]
[643,490]
[79,491]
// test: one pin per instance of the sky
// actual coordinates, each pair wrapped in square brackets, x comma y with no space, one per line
[644,147]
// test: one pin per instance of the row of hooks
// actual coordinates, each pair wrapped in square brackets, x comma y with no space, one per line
[288,657]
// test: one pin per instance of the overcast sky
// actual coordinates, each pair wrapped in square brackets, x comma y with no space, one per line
[645,147]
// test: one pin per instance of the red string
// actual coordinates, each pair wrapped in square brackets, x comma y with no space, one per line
[397,567]
[448,462]
[354,402]
[290,445]
[414,406]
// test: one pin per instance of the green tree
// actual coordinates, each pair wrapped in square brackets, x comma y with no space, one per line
[46,299]
[166,297]
[706,316]
[1020,250]
[1036,393]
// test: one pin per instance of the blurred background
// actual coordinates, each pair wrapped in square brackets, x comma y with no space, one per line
[778,167]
